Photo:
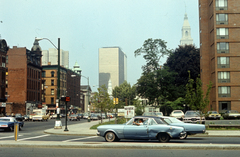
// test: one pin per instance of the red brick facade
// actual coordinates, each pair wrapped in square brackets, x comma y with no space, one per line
[209,12]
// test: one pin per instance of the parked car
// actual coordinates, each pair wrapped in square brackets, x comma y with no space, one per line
[80,115]
[95,117]
[193,117]
[19,117]
[85,116]
[190,128]
[153,128]
[231,114]
[54,116]
[213,115]
[74,117]
[7,123]
[26,118]
[177,114]
[158,114]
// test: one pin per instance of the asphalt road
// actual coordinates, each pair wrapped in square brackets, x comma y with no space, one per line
[33,131]
[61,152]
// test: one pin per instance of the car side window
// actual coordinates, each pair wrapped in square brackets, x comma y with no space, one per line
[152,122]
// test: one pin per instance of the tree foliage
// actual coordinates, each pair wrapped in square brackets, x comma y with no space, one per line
[195,97]
[183,59]
[153,51]
[101,100]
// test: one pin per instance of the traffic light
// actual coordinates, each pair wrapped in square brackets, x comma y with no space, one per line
[66,99]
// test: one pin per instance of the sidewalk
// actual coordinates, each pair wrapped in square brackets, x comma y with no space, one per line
[83,129]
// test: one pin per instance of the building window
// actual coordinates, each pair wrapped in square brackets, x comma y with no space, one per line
[221,4]
[224,105]
[222,19]
[43,73]
[223,76]
[52,73]
[222,47]
[52,91]
[52,82]
[222,33]
[52,100]
[223,62]
[224,91]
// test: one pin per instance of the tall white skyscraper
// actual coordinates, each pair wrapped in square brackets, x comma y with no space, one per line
[51,55]
[112,66]
[186,32]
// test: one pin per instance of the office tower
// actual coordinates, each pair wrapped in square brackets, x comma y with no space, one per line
[112,66]
[51,56]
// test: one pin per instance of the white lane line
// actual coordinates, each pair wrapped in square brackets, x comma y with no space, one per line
[80,138]
[33,137]
[8,137]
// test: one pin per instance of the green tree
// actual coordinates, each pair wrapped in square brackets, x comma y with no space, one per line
[195,97]
[183,59]
[153,51]
[101,100]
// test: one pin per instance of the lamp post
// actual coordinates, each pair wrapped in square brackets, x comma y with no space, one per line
[58,72]
[58,80]
[87,94]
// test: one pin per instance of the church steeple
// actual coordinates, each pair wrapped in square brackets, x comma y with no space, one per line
[186,32]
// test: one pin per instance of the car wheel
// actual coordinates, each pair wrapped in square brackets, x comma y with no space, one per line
[110,137]
[163,137]
[20,127]
[11,128]
[184,137]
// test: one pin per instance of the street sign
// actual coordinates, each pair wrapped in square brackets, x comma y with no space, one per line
[129,111]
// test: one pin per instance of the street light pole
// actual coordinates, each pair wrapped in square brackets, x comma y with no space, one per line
[58,74]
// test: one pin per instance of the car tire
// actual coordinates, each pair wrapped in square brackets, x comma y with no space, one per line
[163,137]
[184,137]
[20,127]
[11,129]
[110,137]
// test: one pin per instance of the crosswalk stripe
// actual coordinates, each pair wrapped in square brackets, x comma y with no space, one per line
[8,137]
[33,137]
[79,139]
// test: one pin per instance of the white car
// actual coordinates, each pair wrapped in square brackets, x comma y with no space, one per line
[177,114]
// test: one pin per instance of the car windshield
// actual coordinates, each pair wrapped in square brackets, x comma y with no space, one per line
[212,112]
[192,114]
[233,111]
[5,120]
[159,113]
[149,114]
[177,112]
[73,115]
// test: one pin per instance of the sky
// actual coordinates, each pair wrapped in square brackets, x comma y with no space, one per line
[84,26]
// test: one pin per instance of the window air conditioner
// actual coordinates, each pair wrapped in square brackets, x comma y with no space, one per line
[222,51]
[223,66]
[222,37]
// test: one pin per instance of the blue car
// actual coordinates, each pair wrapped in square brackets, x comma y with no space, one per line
[7,123]
[152,128]
[190,128]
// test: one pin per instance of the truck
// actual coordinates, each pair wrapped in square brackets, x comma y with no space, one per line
[40,115]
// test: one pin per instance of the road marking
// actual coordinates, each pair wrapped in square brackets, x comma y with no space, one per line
[80,138]
[33,137]
[8,137]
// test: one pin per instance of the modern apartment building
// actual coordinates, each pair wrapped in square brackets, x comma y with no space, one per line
[51,55]
[219,52]
[186,32]
[112,66]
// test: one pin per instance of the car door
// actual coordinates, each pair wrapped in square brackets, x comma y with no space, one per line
[131,131]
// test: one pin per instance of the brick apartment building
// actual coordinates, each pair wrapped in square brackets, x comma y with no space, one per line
[3,70]
[24,79]
[69,86]
[219,52]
